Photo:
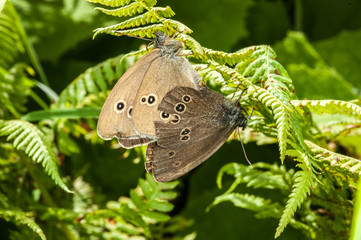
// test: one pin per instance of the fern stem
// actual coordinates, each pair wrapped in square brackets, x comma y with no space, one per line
[356,221]
[28,46]
[45,194]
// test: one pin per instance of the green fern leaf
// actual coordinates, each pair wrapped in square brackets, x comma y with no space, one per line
[10,44]
[33,142]
[264,207]
[132,9]
[335,160]
[282,116]
[152,16]
[220,57]
[175,25]
[303,181]
[259,175]
[135,218]
[328,106]
[19,217]
[112,3]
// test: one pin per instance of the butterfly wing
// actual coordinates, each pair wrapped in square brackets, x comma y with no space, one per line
[164,74]
[205,121]
[115,119]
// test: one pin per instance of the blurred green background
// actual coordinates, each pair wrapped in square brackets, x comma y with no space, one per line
[318,42]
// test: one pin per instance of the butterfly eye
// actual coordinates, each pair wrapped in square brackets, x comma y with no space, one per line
[120,106]
[186,99]
[164,116]
[152,99]
[130,110]
[175,119]
[143,99]
[180,107]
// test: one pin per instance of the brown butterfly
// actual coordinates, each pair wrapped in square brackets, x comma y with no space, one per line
[204,120]
[131,108]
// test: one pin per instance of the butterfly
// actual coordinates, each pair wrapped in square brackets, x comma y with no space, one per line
[131,108]
[201,123]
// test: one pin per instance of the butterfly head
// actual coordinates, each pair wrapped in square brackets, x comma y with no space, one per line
[241,117]
[168,46]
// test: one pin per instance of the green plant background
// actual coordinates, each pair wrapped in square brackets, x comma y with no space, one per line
[318,42]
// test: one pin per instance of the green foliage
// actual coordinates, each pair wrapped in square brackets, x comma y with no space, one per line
[315,194]
[156,16]
[136,217]
[20,217]
[33,142]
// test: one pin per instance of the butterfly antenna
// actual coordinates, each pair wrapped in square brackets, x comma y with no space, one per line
[171,38]
[235,93]
[244,150]
[240,96]
[252,110]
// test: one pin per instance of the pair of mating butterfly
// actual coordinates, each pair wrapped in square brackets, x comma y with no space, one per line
[160,101]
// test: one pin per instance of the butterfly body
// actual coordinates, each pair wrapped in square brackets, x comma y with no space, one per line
[204,121]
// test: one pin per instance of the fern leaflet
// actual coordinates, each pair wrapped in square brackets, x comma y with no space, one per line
[303,181]
[33,142]
[328,106]
[20,217]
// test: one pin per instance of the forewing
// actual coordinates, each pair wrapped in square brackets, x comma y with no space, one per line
[113,122]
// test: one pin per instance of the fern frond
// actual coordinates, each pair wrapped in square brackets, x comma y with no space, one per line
[175,26]
[15,87]
[111,3]
[156,198]
[129,10]
[264,207]
[267,72]
[282,116]
[328,106]
[335,160]
[231,73]
[304,180]
[19,217]
[137,216]
[144,32]
[33,142]
[243,55]
[83,193]
[149,17]
[259,175]
[154,20]
[10,44]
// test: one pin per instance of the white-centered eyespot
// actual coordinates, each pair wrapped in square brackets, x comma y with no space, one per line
[152,99]
[164,116]
[120,106]
[185,131]
[176,163]
[185,138]
[180,107]
[130,111]
[143,100]
[175,119]
[186,98]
